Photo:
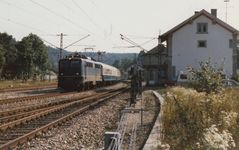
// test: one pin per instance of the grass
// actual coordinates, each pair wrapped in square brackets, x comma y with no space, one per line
[10,84]
[193,120]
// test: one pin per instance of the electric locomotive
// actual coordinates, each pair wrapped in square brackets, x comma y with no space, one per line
[78,72]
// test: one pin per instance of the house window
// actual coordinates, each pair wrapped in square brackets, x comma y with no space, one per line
[202,44]
[230,43]
[202,28]
[151,75]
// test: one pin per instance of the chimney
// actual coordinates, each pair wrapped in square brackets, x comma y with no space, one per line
[196,12]
[214,12]
[159,40]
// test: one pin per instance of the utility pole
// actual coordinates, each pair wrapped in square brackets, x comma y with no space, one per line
[61,44]
[89,54]
[226,1]
[100,55]
[88,48]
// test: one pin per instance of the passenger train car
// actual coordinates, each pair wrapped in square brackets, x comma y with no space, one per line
[78,72]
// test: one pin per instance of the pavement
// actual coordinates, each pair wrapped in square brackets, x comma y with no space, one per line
[154,140]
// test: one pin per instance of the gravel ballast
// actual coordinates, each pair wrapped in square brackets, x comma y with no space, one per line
[86,131]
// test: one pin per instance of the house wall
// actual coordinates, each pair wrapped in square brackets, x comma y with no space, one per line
[155,68]
[171,68]
[185,49]
[151,74]
[235,55]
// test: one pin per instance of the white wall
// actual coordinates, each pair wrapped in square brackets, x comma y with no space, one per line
[185,49]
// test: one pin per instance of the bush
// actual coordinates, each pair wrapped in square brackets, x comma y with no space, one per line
[193,120]
[207,78]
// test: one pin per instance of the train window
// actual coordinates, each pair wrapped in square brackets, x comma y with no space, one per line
[89,64]
[64,64]
[108,71]
[97,66]
[75,63]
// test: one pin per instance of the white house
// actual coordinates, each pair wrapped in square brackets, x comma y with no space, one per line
[199,38]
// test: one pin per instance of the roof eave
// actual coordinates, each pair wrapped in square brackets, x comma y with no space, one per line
[165,36]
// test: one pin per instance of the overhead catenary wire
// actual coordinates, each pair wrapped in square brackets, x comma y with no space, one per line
[87,15]
[83,11]
[146,42]
[130,46]
[49,43]
[131,42]
[124,46]
[66,6]
[30,14]
[139,37]
[99,12]
[128,40]
[14,5]
[76,41]
[85,45]
[26,11]
[103,16]
[74,35]
[63,17]
[21,24]
[32,28]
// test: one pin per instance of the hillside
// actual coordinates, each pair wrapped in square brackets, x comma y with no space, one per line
[108,58]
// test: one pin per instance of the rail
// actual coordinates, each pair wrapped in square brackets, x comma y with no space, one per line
[27,88]
[11,137]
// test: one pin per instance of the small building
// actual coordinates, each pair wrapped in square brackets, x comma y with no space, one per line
[197,39]
[155,65]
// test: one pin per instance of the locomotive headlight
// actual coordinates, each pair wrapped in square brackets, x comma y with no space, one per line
[77,73]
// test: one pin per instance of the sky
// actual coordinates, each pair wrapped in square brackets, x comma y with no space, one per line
[141,21]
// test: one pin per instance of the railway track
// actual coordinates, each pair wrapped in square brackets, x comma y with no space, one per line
[17,108]
[29,98]
[21,112]
[20,130]
[28,88]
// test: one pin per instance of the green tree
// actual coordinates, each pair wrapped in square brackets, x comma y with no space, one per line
[2,59]
[40,55]
[116,63]
[25,59]
[10,66]
[9,52]
[126,63]
[33,56]
[207,78]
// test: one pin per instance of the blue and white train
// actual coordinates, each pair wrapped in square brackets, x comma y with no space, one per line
[78,72]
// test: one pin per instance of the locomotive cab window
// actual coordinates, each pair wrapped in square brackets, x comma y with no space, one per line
[75,62]
[64,66]
[97,66]
[75,67]
[89,65]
